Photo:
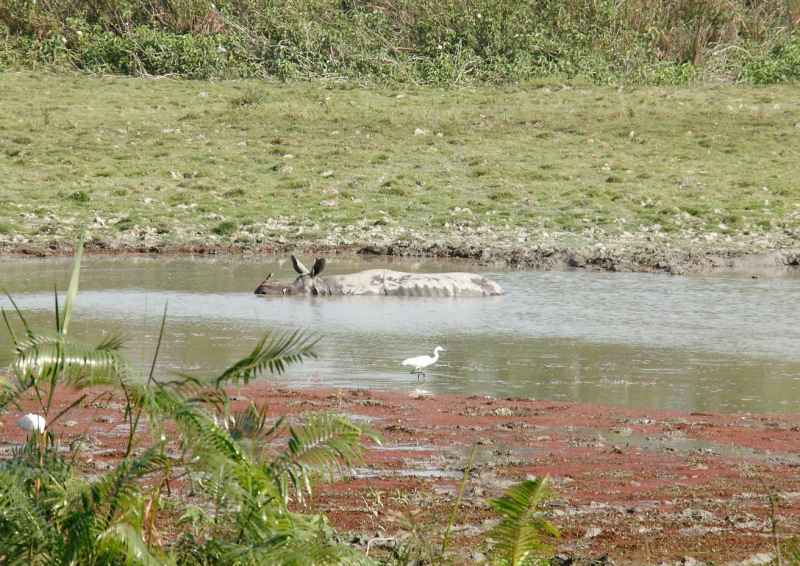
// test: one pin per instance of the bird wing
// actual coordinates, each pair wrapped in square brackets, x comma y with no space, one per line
[418,361]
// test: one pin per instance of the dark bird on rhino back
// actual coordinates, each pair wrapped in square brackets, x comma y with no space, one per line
[380,282]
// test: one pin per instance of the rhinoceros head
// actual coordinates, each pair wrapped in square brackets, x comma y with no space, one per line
[305,284]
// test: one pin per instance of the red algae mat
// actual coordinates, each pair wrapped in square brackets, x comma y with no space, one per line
[635,486]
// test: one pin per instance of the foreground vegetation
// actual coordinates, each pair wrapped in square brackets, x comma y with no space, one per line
[52,511]
[410,41]
[146,162]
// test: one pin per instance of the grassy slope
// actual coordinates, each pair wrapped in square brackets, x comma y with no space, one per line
[190,162]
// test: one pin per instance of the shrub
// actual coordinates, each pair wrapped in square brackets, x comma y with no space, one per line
[445,42]
[225,228]
[80,196]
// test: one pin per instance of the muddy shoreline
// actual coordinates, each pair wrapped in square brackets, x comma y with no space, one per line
[636,486]
[647,260]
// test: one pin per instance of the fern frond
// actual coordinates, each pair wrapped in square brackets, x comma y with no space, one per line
[9,327]
[284,550]
[222,469]
[415,548]
[165,397]
[24,524]
[9,393]
[251,422]
[518,536]
[791,551]
[121,540]
[100,502]
[44,352]
[96,508]
[319,448]
[118,489]
[113,342]
[262,515]
[197,423]
[273,353]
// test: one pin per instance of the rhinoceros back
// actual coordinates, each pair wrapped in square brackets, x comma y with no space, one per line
[441,285]
[369,282]
[398,283]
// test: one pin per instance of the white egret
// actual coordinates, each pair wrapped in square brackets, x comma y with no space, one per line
[30,423]
[421,362]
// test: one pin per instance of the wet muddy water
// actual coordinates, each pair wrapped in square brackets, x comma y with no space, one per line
[724,342]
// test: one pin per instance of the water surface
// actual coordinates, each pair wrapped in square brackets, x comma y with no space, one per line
[724,342]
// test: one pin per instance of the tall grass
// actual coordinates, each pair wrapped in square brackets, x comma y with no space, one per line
[416,41]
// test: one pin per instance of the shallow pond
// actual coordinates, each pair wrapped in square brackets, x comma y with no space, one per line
[723,342]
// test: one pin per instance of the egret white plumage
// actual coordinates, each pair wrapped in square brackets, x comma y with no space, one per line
[421,362]
[30,423]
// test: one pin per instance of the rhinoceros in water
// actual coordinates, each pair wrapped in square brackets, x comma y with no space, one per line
[380,282]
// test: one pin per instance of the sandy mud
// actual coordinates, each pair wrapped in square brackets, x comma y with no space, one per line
[630,486]
[655,259]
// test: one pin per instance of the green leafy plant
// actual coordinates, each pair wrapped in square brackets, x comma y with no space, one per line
[517,539]
[250,96]
[791,552]
[49,513]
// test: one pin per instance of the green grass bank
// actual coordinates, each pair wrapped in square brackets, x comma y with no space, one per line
[439,42]
[537,168]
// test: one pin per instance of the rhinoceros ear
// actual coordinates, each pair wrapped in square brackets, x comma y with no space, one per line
[268,278]
[319,265]
[299,267]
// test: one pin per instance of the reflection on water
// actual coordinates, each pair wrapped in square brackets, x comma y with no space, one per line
[709,343]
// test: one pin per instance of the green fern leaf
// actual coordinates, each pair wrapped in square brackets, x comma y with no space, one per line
[518,536]
[286,551]
[273,353]
[98,506]
[44,352]
[317,449]
[122,540]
